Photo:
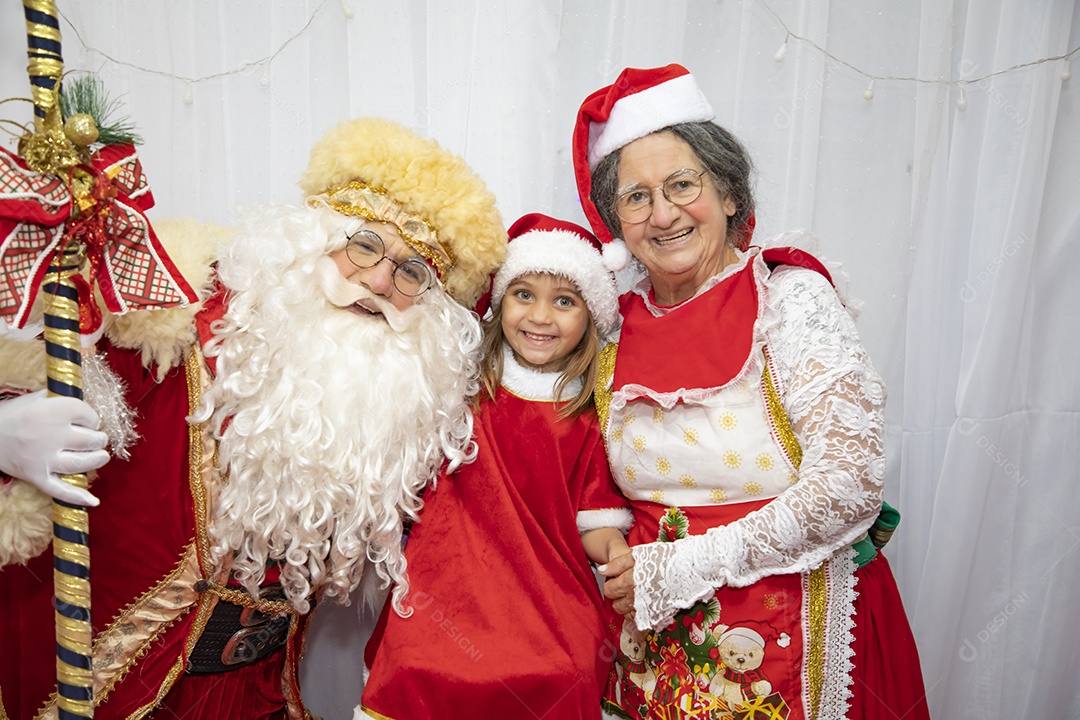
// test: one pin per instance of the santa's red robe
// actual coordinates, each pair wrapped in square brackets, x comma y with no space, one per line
[148,550]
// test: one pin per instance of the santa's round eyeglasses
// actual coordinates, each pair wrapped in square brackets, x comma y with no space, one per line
[366,249]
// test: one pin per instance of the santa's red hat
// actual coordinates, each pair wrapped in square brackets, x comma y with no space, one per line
[639,102]
[542,244]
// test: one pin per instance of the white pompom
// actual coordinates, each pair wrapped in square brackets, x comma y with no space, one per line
[784,640]
[616,255]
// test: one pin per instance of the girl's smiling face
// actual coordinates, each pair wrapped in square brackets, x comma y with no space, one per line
[544,318]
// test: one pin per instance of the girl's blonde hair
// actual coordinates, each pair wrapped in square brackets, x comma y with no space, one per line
[583,362]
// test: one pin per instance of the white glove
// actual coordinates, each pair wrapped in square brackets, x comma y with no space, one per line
[43,437]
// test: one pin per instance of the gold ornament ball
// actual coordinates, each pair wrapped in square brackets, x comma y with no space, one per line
[81,129]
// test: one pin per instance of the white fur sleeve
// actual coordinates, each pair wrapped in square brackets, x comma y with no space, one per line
[25,511]
[834,400]
[619,518]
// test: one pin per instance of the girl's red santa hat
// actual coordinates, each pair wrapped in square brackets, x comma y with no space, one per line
[639,102]
[542,244]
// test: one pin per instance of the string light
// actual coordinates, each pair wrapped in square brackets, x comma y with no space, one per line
[782,52]
[242,68]
[868,93]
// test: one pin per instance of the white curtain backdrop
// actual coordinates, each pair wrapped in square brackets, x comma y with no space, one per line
[951,196]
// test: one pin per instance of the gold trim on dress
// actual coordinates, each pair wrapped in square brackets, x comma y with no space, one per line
[115,644]
[817,589]
[603,392]
[290,685]
[201,451]
[779,417]
[206,606]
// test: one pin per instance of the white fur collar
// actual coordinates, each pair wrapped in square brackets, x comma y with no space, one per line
[164,335]
[530,384]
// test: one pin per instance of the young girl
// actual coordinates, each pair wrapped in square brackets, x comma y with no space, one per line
[506,615]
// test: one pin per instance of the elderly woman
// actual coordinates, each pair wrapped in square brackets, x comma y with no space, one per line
[744,421]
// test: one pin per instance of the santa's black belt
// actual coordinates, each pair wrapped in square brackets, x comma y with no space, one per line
[236,636]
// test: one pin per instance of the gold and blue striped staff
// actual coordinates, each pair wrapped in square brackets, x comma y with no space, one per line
[43,50]
[71,552]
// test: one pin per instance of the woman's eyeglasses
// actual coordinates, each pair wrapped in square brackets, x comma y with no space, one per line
[682,187]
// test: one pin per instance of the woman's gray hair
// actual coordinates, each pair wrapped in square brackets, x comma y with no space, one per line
[724,157]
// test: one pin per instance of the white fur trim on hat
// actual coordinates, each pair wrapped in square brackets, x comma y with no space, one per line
[742,632]
[561,252]
[678,100]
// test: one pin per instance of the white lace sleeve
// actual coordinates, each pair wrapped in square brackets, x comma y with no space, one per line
[834,400]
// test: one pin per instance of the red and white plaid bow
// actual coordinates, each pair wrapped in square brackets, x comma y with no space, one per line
[127,261]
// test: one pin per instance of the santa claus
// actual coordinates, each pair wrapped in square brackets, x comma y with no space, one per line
[267,444]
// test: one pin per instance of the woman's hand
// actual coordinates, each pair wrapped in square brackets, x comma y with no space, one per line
[620,584]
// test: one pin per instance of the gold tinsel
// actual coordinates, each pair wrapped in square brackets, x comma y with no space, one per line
[47,149]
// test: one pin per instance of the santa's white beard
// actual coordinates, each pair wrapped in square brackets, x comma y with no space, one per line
[330,424]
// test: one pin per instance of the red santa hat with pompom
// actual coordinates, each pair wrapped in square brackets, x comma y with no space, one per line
[639,102]
[542,244]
